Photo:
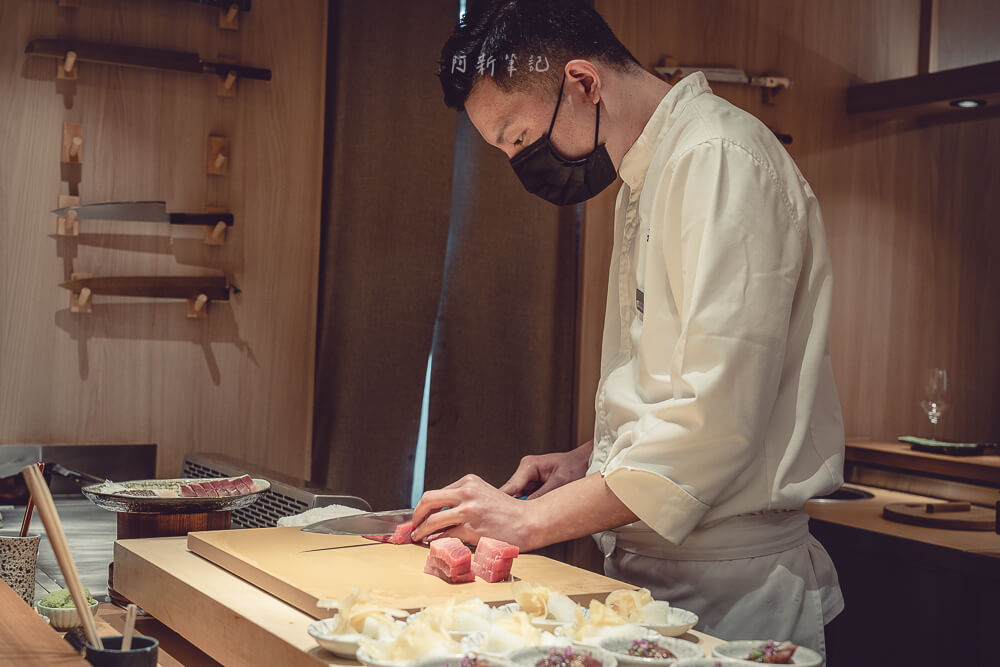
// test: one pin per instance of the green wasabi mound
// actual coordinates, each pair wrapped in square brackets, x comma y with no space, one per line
[61,599]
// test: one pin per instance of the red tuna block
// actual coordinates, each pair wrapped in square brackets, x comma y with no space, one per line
[188,491]
[493,559]
[493,572]
[443,574]
[452,553]
[400,536]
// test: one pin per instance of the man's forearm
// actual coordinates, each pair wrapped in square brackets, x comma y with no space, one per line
[574,510]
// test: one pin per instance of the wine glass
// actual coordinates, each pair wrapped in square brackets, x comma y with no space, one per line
[935,397]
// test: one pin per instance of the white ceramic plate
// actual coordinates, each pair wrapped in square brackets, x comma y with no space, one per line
[343,646]
[529,657]
[618,646]
[710,662]
[803,656]
[456,661]
[680,621]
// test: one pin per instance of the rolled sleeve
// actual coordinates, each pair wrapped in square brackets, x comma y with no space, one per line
[729,258]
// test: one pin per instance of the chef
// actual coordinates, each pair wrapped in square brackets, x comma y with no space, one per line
[717,414]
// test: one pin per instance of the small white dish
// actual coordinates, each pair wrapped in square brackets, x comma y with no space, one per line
[679,622]
[619,646]
[342,646]
[64,618]
[710,662]
[529,657]
[803,656]
[456,661]
[365,659]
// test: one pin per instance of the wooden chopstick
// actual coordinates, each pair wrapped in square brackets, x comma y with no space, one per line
[129,627]
[26,522]
[57,538]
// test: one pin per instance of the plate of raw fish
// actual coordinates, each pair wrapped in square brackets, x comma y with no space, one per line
[155,496]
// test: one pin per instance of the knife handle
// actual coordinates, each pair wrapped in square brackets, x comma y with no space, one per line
[241,71]
[210,219]
[243,5]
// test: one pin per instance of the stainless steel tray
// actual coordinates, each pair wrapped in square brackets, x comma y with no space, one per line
[151,505]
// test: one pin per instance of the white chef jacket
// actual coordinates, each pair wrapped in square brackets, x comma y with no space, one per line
[717,413]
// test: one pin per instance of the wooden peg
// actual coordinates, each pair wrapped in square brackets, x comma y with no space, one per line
[197,308]
[218,155]
[216,235]
[229,19]
[72,144]
[80,302]
[227,85]
[66,68]
[70,225]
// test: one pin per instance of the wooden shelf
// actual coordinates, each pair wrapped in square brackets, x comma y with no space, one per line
[983,470]
[930,94]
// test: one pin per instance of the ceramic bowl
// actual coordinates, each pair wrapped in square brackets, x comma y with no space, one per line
[529,657]
[679,622]
[456,661]
[803,656]
[64,618]
[710,662]
[618,647]
[343,646]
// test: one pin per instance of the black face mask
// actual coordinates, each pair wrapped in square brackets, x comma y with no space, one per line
[554,178]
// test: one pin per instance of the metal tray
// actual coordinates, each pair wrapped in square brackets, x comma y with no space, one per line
[146,505]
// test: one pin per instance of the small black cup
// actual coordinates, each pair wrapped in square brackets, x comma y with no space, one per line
[142,654]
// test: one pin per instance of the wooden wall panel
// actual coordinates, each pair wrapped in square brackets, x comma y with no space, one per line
[911,213]
[239,382]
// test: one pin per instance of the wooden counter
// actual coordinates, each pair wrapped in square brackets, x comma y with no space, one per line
[27,640]
[984,469]
[229,619]
[867,515]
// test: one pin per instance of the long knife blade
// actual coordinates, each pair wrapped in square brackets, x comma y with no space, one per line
[134,56]
[216,288]
[368,523]
[142,211]
[242,5]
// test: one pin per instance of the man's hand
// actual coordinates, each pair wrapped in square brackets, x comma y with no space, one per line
[469,509]
[537,475]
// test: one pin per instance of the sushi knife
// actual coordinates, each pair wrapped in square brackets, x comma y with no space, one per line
[367,523]
[242,5]
[216,288]
[133,56]
[143,211]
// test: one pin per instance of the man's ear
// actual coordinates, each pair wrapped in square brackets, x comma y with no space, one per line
[584,73]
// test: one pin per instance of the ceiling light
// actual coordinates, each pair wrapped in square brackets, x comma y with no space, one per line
[968,104]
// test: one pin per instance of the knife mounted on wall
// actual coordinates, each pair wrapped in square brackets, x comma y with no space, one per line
[134,56]
[241,5]
[141,211]
[214,288]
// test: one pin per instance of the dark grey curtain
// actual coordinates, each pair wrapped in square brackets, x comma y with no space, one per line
[496,294]
[390,147]
[502,376]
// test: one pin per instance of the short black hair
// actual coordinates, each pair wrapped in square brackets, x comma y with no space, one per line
[524,44]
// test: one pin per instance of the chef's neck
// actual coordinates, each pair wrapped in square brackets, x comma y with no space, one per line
[629,99]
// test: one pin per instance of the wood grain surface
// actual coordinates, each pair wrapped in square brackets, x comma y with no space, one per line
[237,382]
[910,211]
[223,615]
[26,639]
[301,568]
[867,515]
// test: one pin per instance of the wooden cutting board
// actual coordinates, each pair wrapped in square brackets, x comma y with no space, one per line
[301,568]
[917,514]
